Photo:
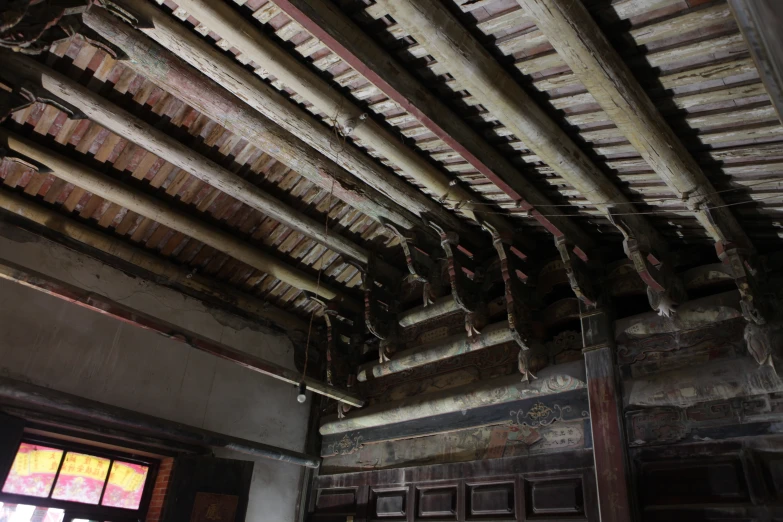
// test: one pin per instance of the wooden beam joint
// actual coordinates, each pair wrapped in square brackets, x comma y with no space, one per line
[738,261]
[516,298]
[577,272]
[664,288]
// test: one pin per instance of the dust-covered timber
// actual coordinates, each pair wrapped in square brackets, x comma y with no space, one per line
[18,68]
[222,19]
[581,44]
[474,68]
[170,72]
[273,112]
[135,200]
[343,37]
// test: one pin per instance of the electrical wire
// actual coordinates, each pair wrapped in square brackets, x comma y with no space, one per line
[640,213]
[659,200]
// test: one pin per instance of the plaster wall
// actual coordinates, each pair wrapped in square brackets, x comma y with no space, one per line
[49,342]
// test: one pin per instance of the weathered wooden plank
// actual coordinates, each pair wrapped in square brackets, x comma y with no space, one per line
[582,45]
[557,407]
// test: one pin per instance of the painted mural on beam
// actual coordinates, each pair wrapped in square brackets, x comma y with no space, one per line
[717,380]
[670,351]
[551,380]
[509,439]
[692,315]
[757,415]
[489,363]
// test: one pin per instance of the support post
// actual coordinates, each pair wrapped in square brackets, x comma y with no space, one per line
[611,471]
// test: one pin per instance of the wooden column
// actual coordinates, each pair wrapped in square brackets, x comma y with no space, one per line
[609,450]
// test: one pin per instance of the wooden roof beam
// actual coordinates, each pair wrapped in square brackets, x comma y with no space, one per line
[118,253]
[585,49]
[147,206]
[760,22]
[476,70]
[253,44]
[340,34]
[21,71]
[171,73]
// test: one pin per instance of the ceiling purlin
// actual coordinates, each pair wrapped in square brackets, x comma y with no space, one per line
[168,273]
[584,48]
[473,67]
[53,88]
[254,45]
[343,37]
[24,72]
[274,105]
[145,205]
[171,73]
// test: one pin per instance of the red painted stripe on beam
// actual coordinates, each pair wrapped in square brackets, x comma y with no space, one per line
[351,59]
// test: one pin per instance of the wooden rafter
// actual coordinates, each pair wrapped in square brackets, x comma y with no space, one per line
[340,34]
[170,72]
[460,54]
[584,48]
[133,199]
[163,271]
[21,70]
[256,46]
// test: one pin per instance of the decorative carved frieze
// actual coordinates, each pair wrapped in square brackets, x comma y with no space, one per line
[541,414]
[668,425]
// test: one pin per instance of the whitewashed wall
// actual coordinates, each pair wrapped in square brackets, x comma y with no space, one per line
[50,342]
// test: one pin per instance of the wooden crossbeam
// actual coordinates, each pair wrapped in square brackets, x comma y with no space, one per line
[585,49]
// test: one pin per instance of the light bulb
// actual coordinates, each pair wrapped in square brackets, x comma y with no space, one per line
[302,397]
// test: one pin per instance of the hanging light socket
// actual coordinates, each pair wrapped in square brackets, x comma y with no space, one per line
[302,397]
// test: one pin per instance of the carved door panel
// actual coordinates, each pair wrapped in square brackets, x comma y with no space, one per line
[539,496]
[711,482]
[206,489]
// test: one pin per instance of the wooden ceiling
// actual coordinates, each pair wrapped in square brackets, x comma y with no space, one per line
[424,126]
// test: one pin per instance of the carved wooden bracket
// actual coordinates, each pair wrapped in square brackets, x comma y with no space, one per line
[516,297]
[664,288]
[421,267]
[380,310]
[737,260]
[463,287]
[576,269]
[33,26]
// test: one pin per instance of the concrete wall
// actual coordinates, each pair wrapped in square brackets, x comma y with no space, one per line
[50,342]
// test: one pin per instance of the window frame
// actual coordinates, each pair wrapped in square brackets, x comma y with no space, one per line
[87,511]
